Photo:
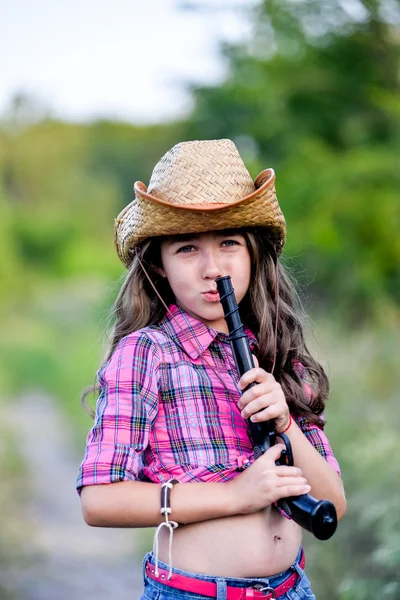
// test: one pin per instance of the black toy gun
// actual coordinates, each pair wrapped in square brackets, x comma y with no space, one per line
[317,516]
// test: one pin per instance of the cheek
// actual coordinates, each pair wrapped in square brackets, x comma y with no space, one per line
[179,282]
[242,279]
[246,270]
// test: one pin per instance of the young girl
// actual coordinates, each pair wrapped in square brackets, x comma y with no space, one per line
[170,446]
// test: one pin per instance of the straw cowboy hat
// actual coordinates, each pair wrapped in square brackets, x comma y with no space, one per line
[199,186]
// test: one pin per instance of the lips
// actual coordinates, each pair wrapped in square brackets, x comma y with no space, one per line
[211,295]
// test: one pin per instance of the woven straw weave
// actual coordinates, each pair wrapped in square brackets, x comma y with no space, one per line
[197,187]
[201,173]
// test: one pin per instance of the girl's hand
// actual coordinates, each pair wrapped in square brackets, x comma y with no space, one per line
[265,400]
[263,483]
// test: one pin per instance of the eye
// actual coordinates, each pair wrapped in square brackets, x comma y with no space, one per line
[230,243]
[185,249]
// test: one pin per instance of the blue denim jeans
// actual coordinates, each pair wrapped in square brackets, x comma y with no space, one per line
[155,590]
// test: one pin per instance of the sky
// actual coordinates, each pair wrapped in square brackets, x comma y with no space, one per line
[84,60]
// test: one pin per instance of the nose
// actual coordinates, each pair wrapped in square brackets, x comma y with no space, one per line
[211,268]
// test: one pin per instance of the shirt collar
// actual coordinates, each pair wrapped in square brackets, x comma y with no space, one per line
[193,335]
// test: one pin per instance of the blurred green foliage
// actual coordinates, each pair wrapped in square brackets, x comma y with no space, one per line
[315,95]
[362,559]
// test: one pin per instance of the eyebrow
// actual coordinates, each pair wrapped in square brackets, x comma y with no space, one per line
[186,237]
[181,238]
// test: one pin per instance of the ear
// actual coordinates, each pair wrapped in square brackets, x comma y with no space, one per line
[160,271]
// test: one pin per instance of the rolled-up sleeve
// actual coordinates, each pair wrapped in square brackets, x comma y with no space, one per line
[126,408]
[314,433]
[318,439]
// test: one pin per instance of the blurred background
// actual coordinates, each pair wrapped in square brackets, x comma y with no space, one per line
[91,96]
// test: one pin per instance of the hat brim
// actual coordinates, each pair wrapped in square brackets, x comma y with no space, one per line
[148,216]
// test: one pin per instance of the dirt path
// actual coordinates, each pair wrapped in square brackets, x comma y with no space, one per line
[63,557]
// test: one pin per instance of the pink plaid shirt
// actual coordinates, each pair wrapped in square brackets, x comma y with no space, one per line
[164,413]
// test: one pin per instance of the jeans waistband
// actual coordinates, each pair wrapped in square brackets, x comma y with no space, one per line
[272,581]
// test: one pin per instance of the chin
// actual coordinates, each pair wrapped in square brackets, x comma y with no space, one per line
[208,312]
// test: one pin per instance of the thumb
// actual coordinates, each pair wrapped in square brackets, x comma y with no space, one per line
[256,363]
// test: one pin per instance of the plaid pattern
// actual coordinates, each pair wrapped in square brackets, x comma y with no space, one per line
[164,413]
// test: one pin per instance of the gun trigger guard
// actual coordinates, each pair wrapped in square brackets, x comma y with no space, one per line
[287,453]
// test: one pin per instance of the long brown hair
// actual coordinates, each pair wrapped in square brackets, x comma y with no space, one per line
[271,303]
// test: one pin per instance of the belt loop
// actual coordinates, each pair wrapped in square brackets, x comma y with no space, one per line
[146,558]
[221,589]
[296,565]
[300,574]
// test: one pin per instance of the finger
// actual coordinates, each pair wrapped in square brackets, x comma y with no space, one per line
[254,405]
[285,471]
[292,481]
[293,490]
[274,411]
[255,375]
[261,390]
[257,390]
[274,452]
[255,359]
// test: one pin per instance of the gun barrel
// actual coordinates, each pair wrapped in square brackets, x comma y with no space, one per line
[318,517]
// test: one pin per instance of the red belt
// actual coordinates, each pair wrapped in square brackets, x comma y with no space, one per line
[208,588]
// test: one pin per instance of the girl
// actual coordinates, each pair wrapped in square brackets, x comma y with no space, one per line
[172,408]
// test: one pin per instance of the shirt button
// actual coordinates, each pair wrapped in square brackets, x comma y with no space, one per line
[243,462]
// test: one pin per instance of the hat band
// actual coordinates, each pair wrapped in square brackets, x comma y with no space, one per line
[263,181]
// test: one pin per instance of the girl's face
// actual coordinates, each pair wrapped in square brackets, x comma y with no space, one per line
[192,262]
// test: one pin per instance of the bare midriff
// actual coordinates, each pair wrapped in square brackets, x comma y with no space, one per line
[261,544]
